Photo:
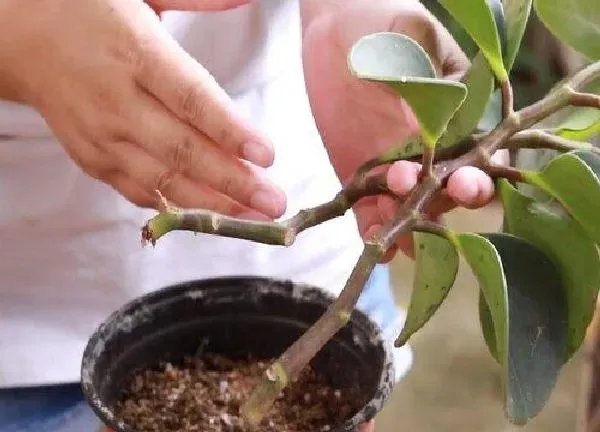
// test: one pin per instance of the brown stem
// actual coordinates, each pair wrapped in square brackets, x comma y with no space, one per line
[423,225]
[274,233]
[288,366]
[585,76]
[507,98]
[508,172]
[585,100]
[427,163]
[537,139]
[507,111]
[261,399]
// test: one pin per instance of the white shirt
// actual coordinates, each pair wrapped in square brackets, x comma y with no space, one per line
[70,246]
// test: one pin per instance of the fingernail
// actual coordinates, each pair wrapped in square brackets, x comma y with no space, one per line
[258,153]
[269,203]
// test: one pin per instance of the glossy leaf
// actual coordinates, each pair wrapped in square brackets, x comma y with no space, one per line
[409,148]
[487,326]
[570,179]
[486,265]
[497,8]
[592,160]
[516,14]
[574,22]
[437,265]
[563,240]
[582,125]
[477,18]
[492,116]
[479,80]
[400,62]
[534,313]
[478,109]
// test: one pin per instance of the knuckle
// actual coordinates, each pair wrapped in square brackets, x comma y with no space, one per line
[129,54]
[97,167]
[182,154]
[228,206]
[234,209]
[165,182]
[132,51]
[228,185]
[193,107]
[227,135]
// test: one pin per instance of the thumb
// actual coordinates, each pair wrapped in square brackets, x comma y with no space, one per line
[195,5]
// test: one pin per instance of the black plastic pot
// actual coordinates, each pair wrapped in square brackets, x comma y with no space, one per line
[233,316]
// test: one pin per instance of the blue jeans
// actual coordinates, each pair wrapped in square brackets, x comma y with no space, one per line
[61,408]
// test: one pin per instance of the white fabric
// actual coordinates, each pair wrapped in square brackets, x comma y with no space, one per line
[70,246]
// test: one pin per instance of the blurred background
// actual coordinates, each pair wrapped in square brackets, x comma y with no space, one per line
[454,383]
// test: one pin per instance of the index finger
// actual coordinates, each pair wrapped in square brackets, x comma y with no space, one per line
[188,90]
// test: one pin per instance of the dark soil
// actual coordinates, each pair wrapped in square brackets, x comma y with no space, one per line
[205,394]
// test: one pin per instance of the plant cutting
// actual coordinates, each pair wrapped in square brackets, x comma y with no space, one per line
[539,274]
[185,357]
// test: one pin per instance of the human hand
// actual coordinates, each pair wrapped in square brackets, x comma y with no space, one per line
[131,107]
[368,427]
[195,5]
[359,120]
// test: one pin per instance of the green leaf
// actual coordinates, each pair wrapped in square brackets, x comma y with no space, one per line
[582,125]
[437,266]
[592,160]
[478,109]
[477,18]
[479,80]
[525,298]
[492,116]
[497,9]
[401,63]
[409,148]
[487,326]
[570,179]
[486,265]
[565,242]
[517,14]
[574,22]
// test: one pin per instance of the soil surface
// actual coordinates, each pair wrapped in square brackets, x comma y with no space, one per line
[205,394]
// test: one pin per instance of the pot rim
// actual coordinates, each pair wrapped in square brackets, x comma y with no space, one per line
[366,413]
